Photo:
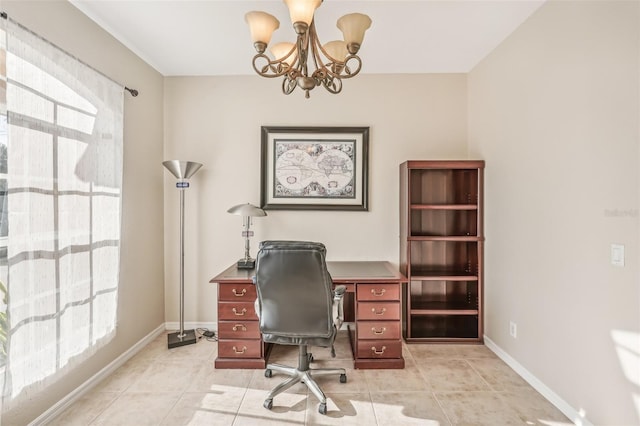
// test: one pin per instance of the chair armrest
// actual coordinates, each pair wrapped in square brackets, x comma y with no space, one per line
[338,305]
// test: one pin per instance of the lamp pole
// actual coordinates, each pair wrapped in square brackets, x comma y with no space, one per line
[182,170]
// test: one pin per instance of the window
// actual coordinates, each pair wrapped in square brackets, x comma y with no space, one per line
[60,186]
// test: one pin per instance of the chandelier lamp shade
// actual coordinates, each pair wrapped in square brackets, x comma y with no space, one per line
[307,63]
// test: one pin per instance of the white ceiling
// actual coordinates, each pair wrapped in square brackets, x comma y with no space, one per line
[210,37]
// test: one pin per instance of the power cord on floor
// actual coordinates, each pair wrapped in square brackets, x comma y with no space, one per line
[210,335]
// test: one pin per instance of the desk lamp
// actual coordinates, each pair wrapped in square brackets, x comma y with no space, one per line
[182,170]
[247,211]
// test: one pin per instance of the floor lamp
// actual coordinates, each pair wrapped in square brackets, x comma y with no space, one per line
[182,170]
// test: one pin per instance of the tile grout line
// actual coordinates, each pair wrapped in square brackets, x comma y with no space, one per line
[121,393]
[432,390]
[479,374]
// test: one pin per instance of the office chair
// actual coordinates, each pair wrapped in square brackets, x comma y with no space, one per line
[297,305]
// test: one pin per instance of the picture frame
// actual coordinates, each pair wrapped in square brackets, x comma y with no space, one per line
[314,168]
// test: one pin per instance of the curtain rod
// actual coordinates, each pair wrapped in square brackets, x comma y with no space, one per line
[133,92]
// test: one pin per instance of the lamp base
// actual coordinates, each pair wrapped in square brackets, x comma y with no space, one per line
[188,338]
[246,263]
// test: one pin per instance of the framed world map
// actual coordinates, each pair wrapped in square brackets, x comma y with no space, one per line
[314,168]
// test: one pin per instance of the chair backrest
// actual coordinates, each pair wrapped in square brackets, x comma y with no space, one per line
[294,290]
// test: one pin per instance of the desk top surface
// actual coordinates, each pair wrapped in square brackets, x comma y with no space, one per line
[341,272]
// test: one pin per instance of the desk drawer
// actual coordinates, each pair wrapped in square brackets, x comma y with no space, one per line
[378,330]
[239,292]
[236,311]
[240,348]
[379,349]
[238,330]
[385,291]
[378,311]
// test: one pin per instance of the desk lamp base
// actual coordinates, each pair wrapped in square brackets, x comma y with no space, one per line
[246,263]
[188,338]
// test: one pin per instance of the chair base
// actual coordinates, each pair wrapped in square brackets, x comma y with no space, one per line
[302,374]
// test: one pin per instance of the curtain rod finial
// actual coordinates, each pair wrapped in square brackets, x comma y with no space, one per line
[133,92]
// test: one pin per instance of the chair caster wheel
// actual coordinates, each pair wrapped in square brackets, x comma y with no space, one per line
[268,404]
[343,378]
[268,373]
[322,408]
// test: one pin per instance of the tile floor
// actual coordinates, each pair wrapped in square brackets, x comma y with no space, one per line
[441,385]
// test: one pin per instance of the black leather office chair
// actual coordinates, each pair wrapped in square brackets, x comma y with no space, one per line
[297,305]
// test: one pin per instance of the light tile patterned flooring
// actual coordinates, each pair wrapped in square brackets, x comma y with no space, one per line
[440,385]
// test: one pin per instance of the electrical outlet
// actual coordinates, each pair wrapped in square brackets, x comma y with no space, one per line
[513,329]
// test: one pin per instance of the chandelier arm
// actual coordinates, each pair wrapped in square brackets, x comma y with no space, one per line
[289,84]
[347,70]
[333,85]
[271,68]
[334,68]
[332,60]
[285,57]
[321,70]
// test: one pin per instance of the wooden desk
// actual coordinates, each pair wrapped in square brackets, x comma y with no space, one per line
[373,301]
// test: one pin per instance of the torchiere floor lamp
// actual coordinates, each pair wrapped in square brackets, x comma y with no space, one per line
[182,170]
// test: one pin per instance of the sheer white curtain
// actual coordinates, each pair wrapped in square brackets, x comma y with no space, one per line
[62,135]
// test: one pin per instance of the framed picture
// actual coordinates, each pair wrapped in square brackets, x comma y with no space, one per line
[314,168]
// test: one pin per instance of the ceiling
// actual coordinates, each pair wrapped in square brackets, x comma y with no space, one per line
[210,37]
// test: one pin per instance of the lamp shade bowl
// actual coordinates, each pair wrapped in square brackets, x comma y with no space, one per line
[182,169]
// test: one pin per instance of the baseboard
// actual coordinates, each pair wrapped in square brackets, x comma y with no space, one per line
[538,385]
[213,326]
[57,409]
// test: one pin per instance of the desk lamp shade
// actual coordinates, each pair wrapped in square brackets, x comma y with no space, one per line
[247,211]
[182,170]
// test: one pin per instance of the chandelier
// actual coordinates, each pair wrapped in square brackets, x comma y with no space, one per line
[307,63]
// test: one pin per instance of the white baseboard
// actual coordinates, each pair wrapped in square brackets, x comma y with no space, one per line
[57,409]
[213,326]
[576,417]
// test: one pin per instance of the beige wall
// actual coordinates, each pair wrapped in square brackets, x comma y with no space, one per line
[216,121]
[141,291]
[554,111]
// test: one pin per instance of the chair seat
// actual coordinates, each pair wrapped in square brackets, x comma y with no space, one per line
[323,342]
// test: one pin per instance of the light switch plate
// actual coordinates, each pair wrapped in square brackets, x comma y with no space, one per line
[617,254]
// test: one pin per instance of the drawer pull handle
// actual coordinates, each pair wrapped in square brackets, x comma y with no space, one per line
[241,313]
[378,352]
[378,293]
[378,332]
[241,294]
[244,349]
[380,312]
[240,327]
